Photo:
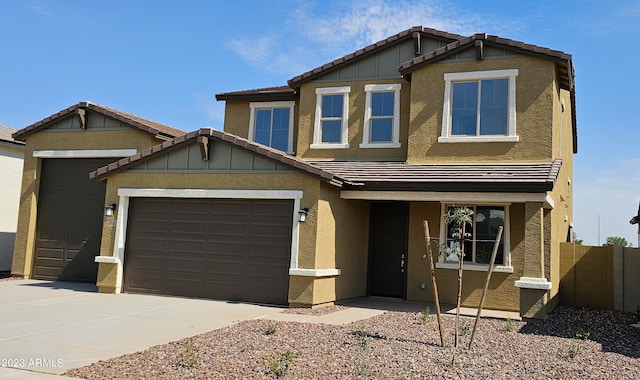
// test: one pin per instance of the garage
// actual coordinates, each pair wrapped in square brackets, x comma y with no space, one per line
[70,215]
[233,249]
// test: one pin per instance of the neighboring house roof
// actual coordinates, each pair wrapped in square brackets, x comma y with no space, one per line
[262,150]
[5,135]
[506,177]
[406,34]
[267,93]
[149,126]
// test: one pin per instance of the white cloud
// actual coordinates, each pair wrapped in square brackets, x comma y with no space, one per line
[214,111]
[41,10]
[308,39]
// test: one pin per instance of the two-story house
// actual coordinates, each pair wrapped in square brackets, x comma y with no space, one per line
[316,191]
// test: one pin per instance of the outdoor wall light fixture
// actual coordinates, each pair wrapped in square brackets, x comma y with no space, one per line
[109,210]
[302,214]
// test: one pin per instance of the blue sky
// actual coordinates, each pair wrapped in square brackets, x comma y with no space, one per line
[165,61]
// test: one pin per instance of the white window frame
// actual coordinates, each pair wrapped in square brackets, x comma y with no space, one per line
[450,78]
[504,267]
[317,125]
[366,130]
[271,105]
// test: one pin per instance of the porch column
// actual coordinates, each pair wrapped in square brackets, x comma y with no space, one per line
[533,284]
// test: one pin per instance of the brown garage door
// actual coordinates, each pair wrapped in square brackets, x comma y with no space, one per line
[69,224]
[209,248]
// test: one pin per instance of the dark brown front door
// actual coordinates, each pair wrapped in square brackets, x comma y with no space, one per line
[388,249]
[234,249]
[70,216]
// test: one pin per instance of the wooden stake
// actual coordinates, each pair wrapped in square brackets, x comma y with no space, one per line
[427,238]
[486,283]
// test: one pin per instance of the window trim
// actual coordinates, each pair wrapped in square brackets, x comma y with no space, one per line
[366,130]
[271,105]
[449,78]
[317,124]
[505,267]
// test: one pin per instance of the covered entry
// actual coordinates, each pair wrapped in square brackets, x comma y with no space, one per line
[69,224]
[235,249]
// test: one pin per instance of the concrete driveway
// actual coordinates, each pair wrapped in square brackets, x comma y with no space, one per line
[50,327]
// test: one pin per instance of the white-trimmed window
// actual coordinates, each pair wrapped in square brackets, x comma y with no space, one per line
[271,124]
[331,121]
[479,246]
[479,106]
[381,116]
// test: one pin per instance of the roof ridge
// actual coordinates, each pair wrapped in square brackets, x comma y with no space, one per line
[147,125]
[262,150]
[407,33]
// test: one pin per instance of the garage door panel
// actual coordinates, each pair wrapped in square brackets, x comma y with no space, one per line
[230,228]
[214,248]
[227,248]
[229,207]
[189,227]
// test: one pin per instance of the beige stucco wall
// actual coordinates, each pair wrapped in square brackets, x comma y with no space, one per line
[534,102]
[58,140]
[502,294]
[562,214]
[321,246]
[11,159]
[356,121]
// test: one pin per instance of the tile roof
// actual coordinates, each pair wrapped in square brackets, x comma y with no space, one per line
[564,59]
[367,175]
[5,135]
[370,49]
[264,151]
[152,127]
[266,93]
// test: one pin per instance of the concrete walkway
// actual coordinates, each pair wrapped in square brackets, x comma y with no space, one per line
[50,327]
[47,328]
[367,307]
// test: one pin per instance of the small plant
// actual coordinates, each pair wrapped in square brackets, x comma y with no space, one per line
[425,315]
[361,336]
[574,350]
[363,363]
[583,335]
[453,361]
[279,364]
[511,325]
[464,329]
[270,330]
[189,356]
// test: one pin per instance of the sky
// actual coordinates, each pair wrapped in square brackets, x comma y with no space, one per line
[166,60]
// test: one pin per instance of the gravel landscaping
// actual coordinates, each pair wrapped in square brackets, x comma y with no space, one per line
[574,343]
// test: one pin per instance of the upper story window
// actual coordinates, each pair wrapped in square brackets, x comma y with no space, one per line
[331,120]
[479,106]
[381,116]
[271,124]
[479,246]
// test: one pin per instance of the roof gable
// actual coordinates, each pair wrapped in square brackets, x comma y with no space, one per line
[79,110]
[217,149]
[418,34]
[480,42]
